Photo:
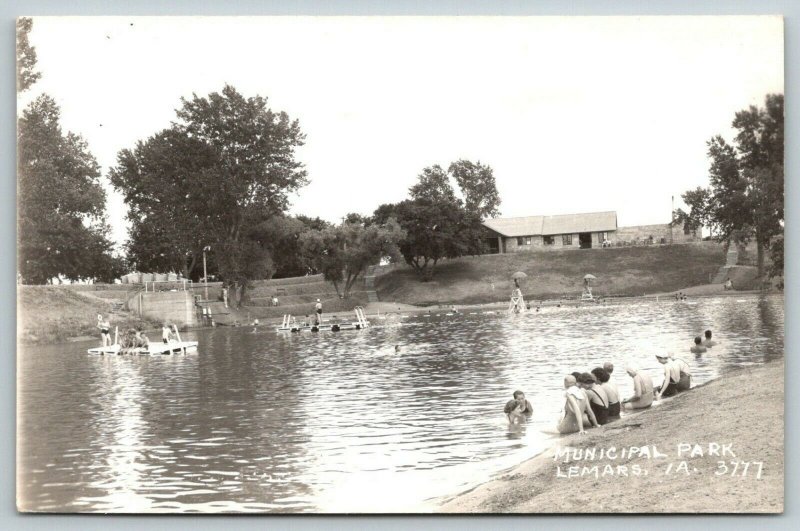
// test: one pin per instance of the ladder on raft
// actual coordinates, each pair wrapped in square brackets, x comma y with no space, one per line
[360,317]
[288,321]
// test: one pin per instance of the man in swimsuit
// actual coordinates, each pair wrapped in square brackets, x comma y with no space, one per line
[577,413]
[642,390]
[672,376]
[519,404]
[598,399]
[166,333]
[698,347]
[105,331]
[611,392]
[708,343]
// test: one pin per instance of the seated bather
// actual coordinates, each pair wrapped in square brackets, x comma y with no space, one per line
[611,392]
[672,376]
[698,347]
[598,399]
[642,390]
[577,412]
[685,379]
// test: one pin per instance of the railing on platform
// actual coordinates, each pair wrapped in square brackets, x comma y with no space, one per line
[183,284]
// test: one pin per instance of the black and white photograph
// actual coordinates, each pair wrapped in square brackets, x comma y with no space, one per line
[400,264]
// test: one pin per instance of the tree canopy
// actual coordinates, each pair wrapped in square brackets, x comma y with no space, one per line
[437,222]
[222,170]
[26,56]
[61,213]
[745,200]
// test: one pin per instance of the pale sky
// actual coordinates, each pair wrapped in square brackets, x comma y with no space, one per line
[573,114]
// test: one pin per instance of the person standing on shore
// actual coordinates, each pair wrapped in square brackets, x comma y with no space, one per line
[642,390]
[698,347]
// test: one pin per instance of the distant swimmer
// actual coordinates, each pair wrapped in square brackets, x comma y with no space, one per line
[397,349]
[598,399]
[642,390]
[672,376]
[708,343]
[698,347]
[577,412]
[518,406]
[611,392]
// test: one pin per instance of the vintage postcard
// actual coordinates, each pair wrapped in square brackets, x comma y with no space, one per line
[400,264]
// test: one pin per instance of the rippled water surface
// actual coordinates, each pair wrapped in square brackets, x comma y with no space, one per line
[260,421]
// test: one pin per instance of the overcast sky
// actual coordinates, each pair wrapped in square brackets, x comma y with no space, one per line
[573,114]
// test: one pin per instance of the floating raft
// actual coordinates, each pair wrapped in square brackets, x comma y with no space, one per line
[290,325]
[176,347]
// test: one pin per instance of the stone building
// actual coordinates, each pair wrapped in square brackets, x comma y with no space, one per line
[577,231]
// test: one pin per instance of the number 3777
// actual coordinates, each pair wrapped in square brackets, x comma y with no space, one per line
[740,469]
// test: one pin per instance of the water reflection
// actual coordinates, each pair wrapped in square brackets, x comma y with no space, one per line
[259,421]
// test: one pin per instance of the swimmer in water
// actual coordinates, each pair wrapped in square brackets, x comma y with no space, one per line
[519,405]
[397,349]
[708,343]
[698,347]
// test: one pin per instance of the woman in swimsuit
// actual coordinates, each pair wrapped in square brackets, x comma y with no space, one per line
[613,396]
[598,399]
[577,413]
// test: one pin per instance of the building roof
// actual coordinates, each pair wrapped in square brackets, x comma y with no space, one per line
[510,227]
[549,225]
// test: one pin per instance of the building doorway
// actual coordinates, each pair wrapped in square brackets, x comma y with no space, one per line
[585,239]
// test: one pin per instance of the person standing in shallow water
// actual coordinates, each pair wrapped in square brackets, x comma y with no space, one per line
[318,312]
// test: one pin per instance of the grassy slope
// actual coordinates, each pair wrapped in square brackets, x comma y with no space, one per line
[556,274]
[50,314]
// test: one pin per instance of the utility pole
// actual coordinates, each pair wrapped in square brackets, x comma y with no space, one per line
[672,221]
[205,273]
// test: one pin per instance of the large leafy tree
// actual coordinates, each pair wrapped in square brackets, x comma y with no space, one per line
[343,253]
[225,167]
[438,223]
[61,215]
[745,199]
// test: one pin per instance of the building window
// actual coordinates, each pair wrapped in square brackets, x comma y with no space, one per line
[549,240]
[527,240]
[520,240]
[523,240]
[566,239]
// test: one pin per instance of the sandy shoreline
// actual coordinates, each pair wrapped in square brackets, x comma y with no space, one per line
[743,409]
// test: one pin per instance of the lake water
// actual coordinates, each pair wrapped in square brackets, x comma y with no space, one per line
[337,421]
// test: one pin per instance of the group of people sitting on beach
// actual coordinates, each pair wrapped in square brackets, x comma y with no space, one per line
[592,398]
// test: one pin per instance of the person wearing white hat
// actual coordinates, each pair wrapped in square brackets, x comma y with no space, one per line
[672,376]
[318,310]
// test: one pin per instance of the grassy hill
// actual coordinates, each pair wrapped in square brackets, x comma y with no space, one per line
[50,314]
[557,274]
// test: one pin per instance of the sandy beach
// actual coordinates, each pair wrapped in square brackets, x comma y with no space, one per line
[690,454]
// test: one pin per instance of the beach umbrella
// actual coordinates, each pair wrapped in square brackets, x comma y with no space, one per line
[518,275]
[589,277]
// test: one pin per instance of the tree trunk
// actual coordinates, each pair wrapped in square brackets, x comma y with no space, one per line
[760,260]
